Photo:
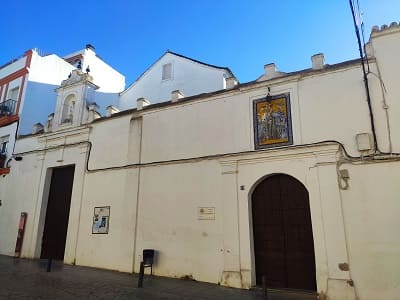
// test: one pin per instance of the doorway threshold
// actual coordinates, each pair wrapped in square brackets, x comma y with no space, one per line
[287,294]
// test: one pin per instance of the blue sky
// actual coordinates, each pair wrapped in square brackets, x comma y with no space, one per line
[242,35]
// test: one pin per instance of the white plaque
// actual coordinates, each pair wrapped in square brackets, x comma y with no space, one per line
[206,213]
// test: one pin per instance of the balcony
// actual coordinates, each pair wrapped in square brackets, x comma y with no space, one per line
[8,112]
[7,108]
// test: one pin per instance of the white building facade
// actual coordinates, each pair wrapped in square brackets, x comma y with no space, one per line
[27,91]
[173,72]
[281,173]
[26,81]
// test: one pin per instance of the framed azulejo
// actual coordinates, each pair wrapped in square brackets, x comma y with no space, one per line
[272,121]
[101,219]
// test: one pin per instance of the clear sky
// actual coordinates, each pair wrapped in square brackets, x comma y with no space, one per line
[242,35]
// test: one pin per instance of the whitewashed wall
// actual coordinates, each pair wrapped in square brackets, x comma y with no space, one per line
[371,216]
[170,197]
[386,48]
[190,77]
[108,79]
[45,74]
[325,107]
[156,205]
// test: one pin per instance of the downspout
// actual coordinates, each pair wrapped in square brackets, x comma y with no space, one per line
[137,194]
[385,106]
[85,173]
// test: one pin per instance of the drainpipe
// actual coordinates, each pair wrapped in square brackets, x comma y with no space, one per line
[137,193]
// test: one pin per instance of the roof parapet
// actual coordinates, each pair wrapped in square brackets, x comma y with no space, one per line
[141,103]
[376,29]
[176,95]
[110,110]
[37,128]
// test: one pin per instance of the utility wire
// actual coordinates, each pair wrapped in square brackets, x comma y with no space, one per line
[360,48]
[361,24]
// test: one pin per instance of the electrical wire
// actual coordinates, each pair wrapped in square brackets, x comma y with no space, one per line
[366,85]
[347,156]
[360,17]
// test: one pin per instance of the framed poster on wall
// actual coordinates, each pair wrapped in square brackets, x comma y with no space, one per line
[101,219]
[272,121]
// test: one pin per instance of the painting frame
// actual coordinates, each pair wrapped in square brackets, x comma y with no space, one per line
[272,121]
[101,220]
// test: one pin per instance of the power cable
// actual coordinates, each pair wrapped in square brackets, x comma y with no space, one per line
[366,85]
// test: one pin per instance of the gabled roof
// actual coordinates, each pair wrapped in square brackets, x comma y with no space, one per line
[199,62]
[181,56]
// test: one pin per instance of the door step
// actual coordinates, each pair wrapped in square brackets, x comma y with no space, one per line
[288,294]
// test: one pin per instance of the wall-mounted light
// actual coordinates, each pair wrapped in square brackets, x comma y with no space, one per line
[343,178]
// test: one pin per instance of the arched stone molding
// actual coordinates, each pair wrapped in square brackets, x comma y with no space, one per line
[315,168]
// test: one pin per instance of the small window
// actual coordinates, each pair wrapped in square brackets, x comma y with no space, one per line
[4,144]
[167,71]
[13,94]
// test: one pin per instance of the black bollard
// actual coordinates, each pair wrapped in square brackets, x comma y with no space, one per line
[141,274]
[49,261]
[264,284]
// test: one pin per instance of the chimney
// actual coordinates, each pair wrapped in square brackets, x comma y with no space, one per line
[110,110]
[318,61]
[141,103]
[270,70]
[176,95]
[230,82]
[90,47]
[37,128]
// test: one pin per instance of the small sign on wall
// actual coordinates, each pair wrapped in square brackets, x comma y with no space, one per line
[206,213]
[101,219]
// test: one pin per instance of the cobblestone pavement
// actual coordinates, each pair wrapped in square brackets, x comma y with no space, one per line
[28,279]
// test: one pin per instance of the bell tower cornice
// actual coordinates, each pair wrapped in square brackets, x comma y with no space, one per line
[77,77]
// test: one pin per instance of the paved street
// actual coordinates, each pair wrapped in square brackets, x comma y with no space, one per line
[28,279]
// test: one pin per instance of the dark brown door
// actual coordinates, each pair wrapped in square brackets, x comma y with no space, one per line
[283,240]
[57,213]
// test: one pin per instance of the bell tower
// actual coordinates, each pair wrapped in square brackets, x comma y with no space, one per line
[73,97]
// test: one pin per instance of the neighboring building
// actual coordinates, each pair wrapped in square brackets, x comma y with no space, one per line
[27,81]
[109,81]
[175,72]
[279,177]
[27,93]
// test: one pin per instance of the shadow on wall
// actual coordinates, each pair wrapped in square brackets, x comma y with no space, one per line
[40,101]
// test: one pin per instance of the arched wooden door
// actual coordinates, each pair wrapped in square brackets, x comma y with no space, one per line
[282,231]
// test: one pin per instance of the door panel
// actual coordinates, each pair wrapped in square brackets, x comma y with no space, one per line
[57,213]
[283,241]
